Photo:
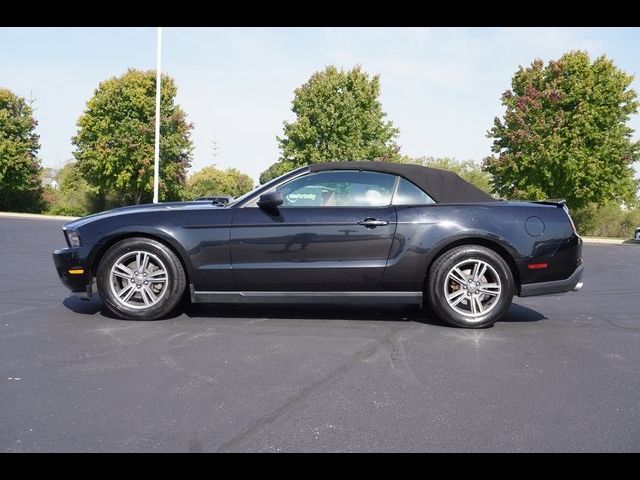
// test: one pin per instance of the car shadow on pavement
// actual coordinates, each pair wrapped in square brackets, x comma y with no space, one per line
[520,313]
[399,313]
[309,311]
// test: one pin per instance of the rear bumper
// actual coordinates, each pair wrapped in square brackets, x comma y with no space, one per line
[573,283]
[66,259]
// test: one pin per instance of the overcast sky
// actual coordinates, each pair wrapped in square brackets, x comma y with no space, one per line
[440,86]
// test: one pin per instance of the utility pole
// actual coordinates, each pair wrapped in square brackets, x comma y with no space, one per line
[156,160]
[32,101]
[214,149]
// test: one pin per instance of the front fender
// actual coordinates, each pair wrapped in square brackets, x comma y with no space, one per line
[121,233]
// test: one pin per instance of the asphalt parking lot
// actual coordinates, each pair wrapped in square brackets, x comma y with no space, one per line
[560,373]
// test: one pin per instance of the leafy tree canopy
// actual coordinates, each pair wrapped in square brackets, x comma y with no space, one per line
[116,133]
[20,184]
[564,133]
[275,170]
[213,181]
[338,117]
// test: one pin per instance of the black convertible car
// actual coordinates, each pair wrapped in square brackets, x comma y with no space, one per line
[358,232]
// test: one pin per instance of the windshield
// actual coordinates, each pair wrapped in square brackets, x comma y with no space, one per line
[264,187]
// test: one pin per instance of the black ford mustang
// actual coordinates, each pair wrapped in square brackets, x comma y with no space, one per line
[339,232]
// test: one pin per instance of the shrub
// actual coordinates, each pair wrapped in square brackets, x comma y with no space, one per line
[608,220]
[73,197]
[67,210]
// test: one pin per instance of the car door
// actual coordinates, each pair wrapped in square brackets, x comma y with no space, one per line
[333,232]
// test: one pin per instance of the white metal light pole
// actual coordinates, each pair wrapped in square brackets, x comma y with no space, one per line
[156,171]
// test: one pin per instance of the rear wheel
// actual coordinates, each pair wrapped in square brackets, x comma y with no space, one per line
[141,279]
[470,286]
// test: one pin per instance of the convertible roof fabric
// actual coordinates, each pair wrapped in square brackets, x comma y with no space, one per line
[442,185]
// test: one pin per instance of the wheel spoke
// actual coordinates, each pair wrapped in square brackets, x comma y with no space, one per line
[481,272]
[144,295]
[139,261]
[457,276]
[456,294]
[121,274]
[150,293]
[129,295]
[474,272]
[473,304]
[155,274]
[124,270]
[126,292]
[494,293]
[476,299]
[490,289]
[145,262]
[458,300]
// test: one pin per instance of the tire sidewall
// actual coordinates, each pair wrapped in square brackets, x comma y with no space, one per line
[438,274]
[175,274]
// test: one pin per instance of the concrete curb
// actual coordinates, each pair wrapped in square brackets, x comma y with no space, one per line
[611,241]
[36,216]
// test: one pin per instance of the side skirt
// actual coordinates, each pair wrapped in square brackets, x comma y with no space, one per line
[357,298]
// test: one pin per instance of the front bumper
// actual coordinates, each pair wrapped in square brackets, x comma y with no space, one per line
[70,259]
[573,283]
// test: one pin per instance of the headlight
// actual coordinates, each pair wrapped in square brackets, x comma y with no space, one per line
[73,238]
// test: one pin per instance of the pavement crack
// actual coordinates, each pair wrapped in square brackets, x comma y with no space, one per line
[399,358]
[612,324]
[259,423]
[20,310]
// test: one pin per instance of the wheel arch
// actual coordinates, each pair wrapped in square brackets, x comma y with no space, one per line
[493,244]
[158,236]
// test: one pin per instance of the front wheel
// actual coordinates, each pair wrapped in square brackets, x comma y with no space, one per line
[470,286]
[140,279]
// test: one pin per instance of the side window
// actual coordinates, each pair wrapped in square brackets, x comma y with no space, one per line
[409,194]
[339,188]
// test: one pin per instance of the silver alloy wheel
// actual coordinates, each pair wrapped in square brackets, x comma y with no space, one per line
[138,279]
[472,288]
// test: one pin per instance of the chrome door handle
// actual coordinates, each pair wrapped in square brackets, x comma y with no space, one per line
[372,222]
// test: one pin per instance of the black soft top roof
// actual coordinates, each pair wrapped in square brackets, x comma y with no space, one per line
[442,185]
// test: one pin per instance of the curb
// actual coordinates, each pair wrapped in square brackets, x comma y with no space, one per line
[36,216]
[610,241]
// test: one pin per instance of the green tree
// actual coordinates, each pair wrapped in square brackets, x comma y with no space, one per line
[564,133]
[275,170]
[242,182]
[469,170]
[115,139]
[338,117]
[214,181]
[20,184]
[72,197]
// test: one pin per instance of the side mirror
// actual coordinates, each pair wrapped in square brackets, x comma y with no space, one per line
[270,201]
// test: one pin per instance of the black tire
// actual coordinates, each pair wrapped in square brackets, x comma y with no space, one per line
[438,283]
[174,289]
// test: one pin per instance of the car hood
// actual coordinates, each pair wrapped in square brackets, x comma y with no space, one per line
[148,207]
